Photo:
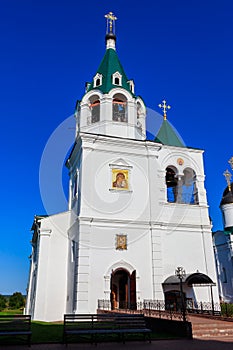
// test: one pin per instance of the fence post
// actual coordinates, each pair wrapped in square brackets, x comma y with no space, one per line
[170,309]
[212,300]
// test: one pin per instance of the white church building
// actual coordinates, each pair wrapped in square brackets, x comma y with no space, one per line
[137,210]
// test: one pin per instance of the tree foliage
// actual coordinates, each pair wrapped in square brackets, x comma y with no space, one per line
[2,302]
[16,300]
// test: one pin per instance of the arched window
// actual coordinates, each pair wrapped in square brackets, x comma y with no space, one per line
[117,81]
[97,80]
[139,110]
[171,182]
[119,108]
[131,85]
[95,110]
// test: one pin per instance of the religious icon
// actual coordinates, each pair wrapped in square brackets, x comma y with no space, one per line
[121,242]
[120,178]
[180,161]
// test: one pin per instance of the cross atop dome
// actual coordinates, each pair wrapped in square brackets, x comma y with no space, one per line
[228,177]
[164,107]
[110,23]
[110,31]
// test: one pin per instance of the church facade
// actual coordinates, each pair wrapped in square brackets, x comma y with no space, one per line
[137,210]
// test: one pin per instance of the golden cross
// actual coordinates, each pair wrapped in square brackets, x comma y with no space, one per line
[228,176]
[230,161]
[110,20]
[164,107]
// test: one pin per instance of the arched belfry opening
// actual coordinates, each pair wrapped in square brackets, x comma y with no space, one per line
[119,108]
[123,289]
[95,108]
[181,188]
[171,182]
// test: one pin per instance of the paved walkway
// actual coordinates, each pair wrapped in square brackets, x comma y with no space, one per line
[157,345]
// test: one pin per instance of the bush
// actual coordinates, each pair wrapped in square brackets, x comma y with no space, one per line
[227,310]
[2,302]
[16,301]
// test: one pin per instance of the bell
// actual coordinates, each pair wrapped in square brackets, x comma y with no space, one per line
[171,181]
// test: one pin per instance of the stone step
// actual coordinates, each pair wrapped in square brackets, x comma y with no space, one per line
[211,326]
[214,330]
[219,331]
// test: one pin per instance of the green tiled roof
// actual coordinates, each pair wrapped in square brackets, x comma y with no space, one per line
[110,64]
[168,136]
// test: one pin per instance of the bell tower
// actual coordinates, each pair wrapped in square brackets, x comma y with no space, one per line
[110,106]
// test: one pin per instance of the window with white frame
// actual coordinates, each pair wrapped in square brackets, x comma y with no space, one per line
[117,79]
[98,80]
[131,85]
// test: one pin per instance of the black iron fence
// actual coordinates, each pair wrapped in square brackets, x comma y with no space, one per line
[161,309]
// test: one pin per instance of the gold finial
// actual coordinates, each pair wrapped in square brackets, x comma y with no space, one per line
[230,161]
[110,22]
[164,107]
[228,176]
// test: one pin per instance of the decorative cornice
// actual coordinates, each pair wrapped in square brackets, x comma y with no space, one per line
[142,224]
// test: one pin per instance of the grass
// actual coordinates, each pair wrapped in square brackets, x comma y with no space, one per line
[43,332]
[11,312]
[46,332]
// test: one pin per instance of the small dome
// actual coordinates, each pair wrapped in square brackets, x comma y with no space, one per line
[227,197]
[110,36]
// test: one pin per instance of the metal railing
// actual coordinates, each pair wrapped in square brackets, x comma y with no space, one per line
[161,309]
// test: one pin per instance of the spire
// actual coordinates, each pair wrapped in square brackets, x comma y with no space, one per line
[110,31]
[167,135]
[164,106]
[110,64]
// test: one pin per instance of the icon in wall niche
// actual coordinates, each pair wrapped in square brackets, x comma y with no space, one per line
[120,179]
[121,242]
[180,161]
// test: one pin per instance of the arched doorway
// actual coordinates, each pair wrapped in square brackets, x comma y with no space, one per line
[123,289]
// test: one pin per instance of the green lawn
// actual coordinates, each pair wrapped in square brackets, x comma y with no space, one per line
[11,312]
[46,332]
[43,332]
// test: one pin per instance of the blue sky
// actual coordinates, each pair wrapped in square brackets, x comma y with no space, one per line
[178,50]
